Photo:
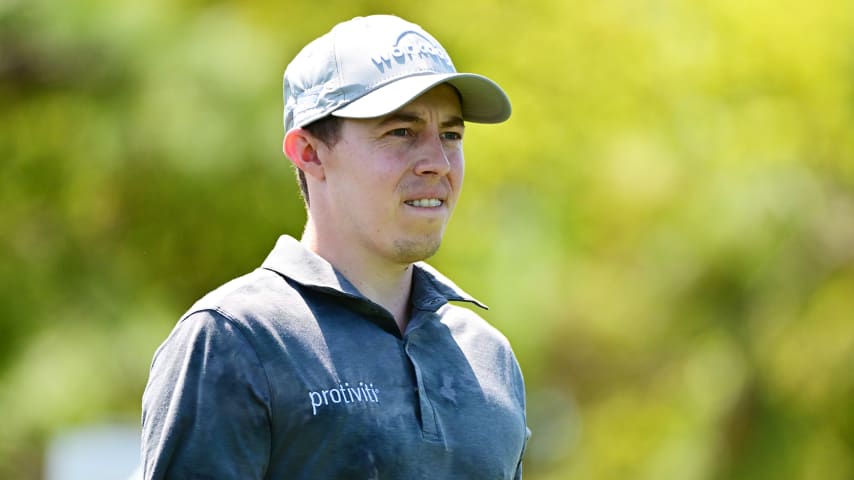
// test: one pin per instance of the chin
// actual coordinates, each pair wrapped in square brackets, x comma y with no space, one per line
[415,250]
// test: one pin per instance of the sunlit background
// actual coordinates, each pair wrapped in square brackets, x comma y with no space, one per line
[664,229]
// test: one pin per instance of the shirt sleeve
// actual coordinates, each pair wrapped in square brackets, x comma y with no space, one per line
[518,475]
[205,410]
[520,392]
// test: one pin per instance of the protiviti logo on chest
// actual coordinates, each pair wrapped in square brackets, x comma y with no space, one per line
[412,47]
[363,393]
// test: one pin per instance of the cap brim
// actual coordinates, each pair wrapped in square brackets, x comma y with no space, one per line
[482,100]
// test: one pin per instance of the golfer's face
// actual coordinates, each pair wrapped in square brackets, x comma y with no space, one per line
[392,182]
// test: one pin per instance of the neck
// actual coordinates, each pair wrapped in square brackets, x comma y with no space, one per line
[384,283]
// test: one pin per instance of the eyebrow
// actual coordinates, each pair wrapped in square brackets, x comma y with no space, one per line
[453,122]
[405,117]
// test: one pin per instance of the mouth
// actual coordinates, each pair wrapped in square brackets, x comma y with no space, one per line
[425,202]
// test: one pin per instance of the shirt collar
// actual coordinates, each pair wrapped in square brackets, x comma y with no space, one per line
[290,258]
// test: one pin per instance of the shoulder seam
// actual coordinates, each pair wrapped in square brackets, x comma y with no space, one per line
[239,328]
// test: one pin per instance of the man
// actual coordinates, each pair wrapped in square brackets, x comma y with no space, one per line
[341,357]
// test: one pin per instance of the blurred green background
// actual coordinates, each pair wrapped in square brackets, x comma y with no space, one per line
[664,229]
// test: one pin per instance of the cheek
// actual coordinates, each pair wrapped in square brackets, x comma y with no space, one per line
[368,188]
[457,173]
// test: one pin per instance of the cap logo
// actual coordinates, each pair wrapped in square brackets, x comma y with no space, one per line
[411,46]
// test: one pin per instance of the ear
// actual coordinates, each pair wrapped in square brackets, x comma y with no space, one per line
[302,149]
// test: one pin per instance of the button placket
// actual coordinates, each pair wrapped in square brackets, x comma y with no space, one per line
[430,429]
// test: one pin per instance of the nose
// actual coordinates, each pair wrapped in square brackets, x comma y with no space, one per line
[433,159]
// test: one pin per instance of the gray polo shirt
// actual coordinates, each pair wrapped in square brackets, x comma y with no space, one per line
[289,372]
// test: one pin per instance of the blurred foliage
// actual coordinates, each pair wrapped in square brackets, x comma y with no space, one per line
[664,229]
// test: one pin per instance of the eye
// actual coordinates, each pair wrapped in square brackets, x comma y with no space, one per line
[400,132]
[452,136]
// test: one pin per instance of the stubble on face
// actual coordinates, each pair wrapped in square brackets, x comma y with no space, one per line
[409,250]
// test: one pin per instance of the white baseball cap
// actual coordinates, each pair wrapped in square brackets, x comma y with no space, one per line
[371,66]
